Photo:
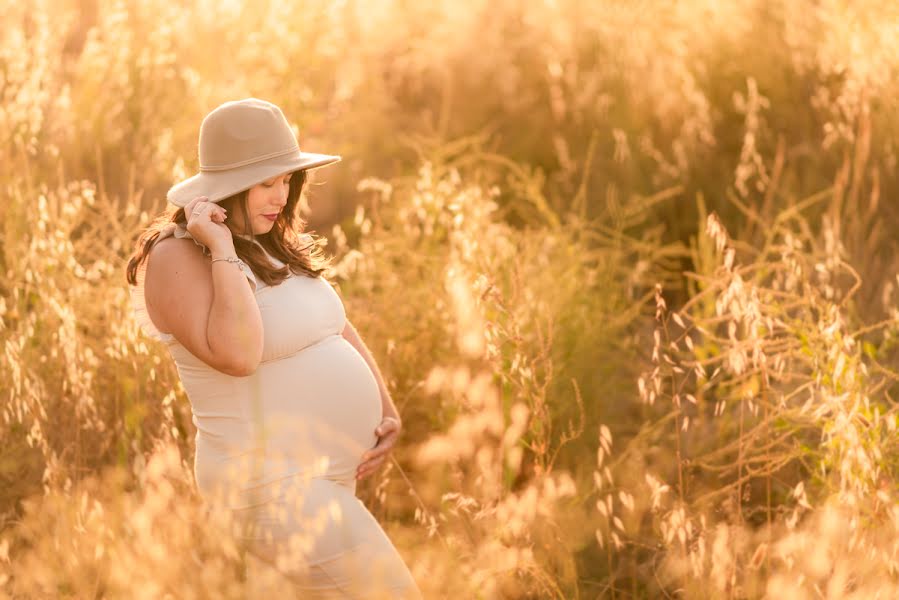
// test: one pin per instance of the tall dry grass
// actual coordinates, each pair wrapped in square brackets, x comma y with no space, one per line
[627,267]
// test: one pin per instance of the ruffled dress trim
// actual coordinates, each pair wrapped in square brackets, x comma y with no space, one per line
[138,302]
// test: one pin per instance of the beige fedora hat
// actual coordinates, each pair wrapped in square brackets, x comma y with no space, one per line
[243,143]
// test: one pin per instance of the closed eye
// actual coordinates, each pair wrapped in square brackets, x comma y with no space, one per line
[286,182]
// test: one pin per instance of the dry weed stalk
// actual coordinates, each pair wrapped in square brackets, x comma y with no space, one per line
[781,430]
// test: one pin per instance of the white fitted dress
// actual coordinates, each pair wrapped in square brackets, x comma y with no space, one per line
[280,447]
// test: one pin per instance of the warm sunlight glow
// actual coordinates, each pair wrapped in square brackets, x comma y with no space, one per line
[628,269]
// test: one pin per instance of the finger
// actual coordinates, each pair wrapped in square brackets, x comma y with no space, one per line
[384,445]
[387,424]
[373,465]
[368,468]
[389,437]
[192,205]
[204,205]
[386,427]
[218,211]
[366,464]
[204,209]
[378,452]
[199,209]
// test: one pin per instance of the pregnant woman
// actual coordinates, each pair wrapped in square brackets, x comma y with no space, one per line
[289,405]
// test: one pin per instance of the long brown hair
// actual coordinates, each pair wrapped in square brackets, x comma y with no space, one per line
[284,241]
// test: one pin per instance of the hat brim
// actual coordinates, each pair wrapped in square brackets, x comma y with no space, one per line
[218,185]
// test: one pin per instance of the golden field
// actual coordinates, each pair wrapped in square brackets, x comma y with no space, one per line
[629,269]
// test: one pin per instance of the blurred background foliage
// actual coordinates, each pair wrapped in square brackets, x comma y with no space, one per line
[517,178]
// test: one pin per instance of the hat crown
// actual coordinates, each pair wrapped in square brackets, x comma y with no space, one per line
[243,143]
[241,132]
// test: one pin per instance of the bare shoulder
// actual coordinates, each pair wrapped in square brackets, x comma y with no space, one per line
[172,247]
[176,258]
[178,281]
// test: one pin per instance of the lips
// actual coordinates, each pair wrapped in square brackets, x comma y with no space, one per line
[271,217]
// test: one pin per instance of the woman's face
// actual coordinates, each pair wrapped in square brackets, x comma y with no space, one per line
[265,202]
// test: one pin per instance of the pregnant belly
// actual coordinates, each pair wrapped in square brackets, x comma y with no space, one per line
[318,407]
[310,414]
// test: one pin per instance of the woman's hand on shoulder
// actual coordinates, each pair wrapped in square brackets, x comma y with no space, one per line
[206,224]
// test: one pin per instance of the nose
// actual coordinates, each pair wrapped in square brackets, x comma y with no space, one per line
[282,197]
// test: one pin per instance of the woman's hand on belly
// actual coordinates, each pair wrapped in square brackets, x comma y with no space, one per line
[388,432]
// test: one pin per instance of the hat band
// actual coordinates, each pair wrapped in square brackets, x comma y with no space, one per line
[249,161]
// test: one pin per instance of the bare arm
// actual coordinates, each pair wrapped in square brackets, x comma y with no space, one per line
[209,308]
[352,336]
